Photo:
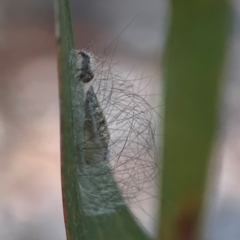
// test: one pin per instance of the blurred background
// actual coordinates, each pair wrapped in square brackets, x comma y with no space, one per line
[134,33]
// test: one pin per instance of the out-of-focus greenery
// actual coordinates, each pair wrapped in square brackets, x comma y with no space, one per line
[193,67]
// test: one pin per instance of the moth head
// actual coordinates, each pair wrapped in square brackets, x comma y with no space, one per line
[86,67]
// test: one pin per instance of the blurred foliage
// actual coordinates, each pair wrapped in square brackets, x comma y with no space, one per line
[193,67]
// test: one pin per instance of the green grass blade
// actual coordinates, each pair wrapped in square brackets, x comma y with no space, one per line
[70,191]
[118,224]
[193,68]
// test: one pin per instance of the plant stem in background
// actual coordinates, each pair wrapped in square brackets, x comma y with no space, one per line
[193,68]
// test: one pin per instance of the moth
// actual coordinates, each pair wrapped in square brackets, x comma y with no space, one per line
[96,133]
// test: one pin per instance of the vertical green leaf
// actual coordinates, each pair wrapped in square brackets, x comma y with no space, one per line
[193,69]
[70,190]
[118,224]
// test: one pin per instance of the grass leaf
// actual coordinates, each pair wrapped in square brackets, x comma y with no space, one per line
[193,68]
[118,224]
